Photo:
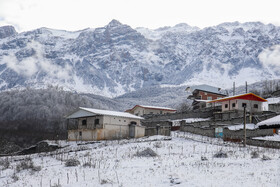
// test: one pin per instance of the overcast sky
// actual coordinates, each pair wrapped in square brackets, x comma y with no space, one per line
[79,14]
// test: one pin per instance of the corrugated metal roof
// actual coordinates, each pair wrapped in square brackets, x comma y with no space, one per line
[205,87]
[93,112]
[152,107]
[269,122]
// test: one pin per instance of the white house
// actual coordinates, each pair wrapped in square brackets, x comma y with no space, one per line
[250,101]
[140,110]
[86,124]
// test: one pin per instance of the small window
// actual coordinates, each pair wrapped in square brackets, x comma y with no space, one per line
[226,105]
[124,120]
[161,112]
[209,98]
[80,133]
[151,112]
[96,122]
[256,106]
[233,105]
[120,120]
[244,105]
[84,122]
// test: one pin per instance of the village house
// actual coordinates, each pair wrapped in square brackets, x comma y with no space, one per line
[203,93]
[250,101]
[87,124]
[271,123]
[141,110]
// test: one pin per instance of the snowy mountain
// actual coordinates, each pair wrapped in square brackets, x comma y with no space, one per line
[117,59]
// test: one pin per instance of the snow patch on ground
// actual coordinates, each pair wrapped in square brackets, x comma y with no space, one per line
[275,137]
[184,160]
[250,126]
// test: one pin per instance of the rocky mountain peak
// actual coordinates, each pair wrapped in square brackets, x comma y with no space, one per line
[7,31]
[114,23]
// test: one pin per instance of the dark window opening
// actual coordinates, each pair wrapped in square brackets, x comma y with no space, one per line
[256,106]
[233,105]
[96,122]
[226,105]
[84,122]
[244,105]
[80,133]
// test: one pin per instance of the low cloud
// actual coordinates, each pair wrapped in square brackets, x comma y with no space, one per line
[271,56]
[36,63]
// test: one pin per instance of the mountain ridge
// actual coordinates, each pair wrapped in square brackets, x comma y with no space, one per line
[117,59]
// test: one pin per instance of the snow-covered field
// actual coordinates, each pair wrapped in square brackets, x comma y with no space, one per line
[184,160]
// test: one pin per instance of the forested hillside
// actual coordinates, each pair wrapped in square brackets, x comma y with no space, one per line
[31,115]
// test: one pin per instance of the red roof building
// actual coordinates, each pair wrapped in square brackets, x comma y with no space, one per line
[250,101]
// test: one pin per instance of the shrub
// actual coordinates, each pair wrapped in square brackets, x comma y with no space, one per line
[87,164]
[27,164]
[72,162]
[203,158]
[5,163]
[265,157]
[148,152]
[220,154]
[255,154]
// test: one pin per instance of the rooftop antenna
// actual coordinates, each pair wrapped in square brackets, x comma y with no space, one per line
[246,87]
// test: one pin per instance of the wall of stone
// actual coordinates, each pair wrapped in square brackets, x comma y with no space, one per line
[197,130]
[239,134]
[182,115]
[163,130]
[263,143]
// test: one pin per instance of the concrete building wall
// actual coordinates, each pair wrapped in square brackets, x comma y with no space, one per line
[140,111]
[237,104]
[139,131]
[108,127]
[119,120]
[208,96]
[109,132]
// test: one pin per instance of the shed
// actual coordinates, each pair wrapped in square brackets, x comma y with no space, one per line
[87,124]
[271,123]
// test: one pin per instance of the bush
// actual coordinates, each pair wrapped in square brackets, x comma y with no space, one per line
[5,163]
[204,158]
[27,164]
[148,152]
[87,164]
[255,154]
[72,162]
[220,154]
[265,157]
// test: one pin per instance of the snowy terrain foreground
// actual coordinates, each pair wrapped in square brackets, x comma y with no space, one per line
[186,160]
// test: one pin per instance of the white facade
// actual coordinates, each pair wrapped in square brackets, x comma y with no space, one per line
[140,110]
[104,125]
[238,104]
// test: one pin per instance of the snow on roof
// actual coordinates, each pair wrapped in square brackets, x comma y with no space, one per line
[275,137]
[247,96]
[205,87]
[92,111]
[273,100]
[272,121]
[153,107]
[157,107]
[250,126]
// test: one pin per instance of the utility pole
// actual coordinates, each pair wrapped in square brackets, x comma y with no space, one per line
[233,88]
[246,87]
[244,126]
